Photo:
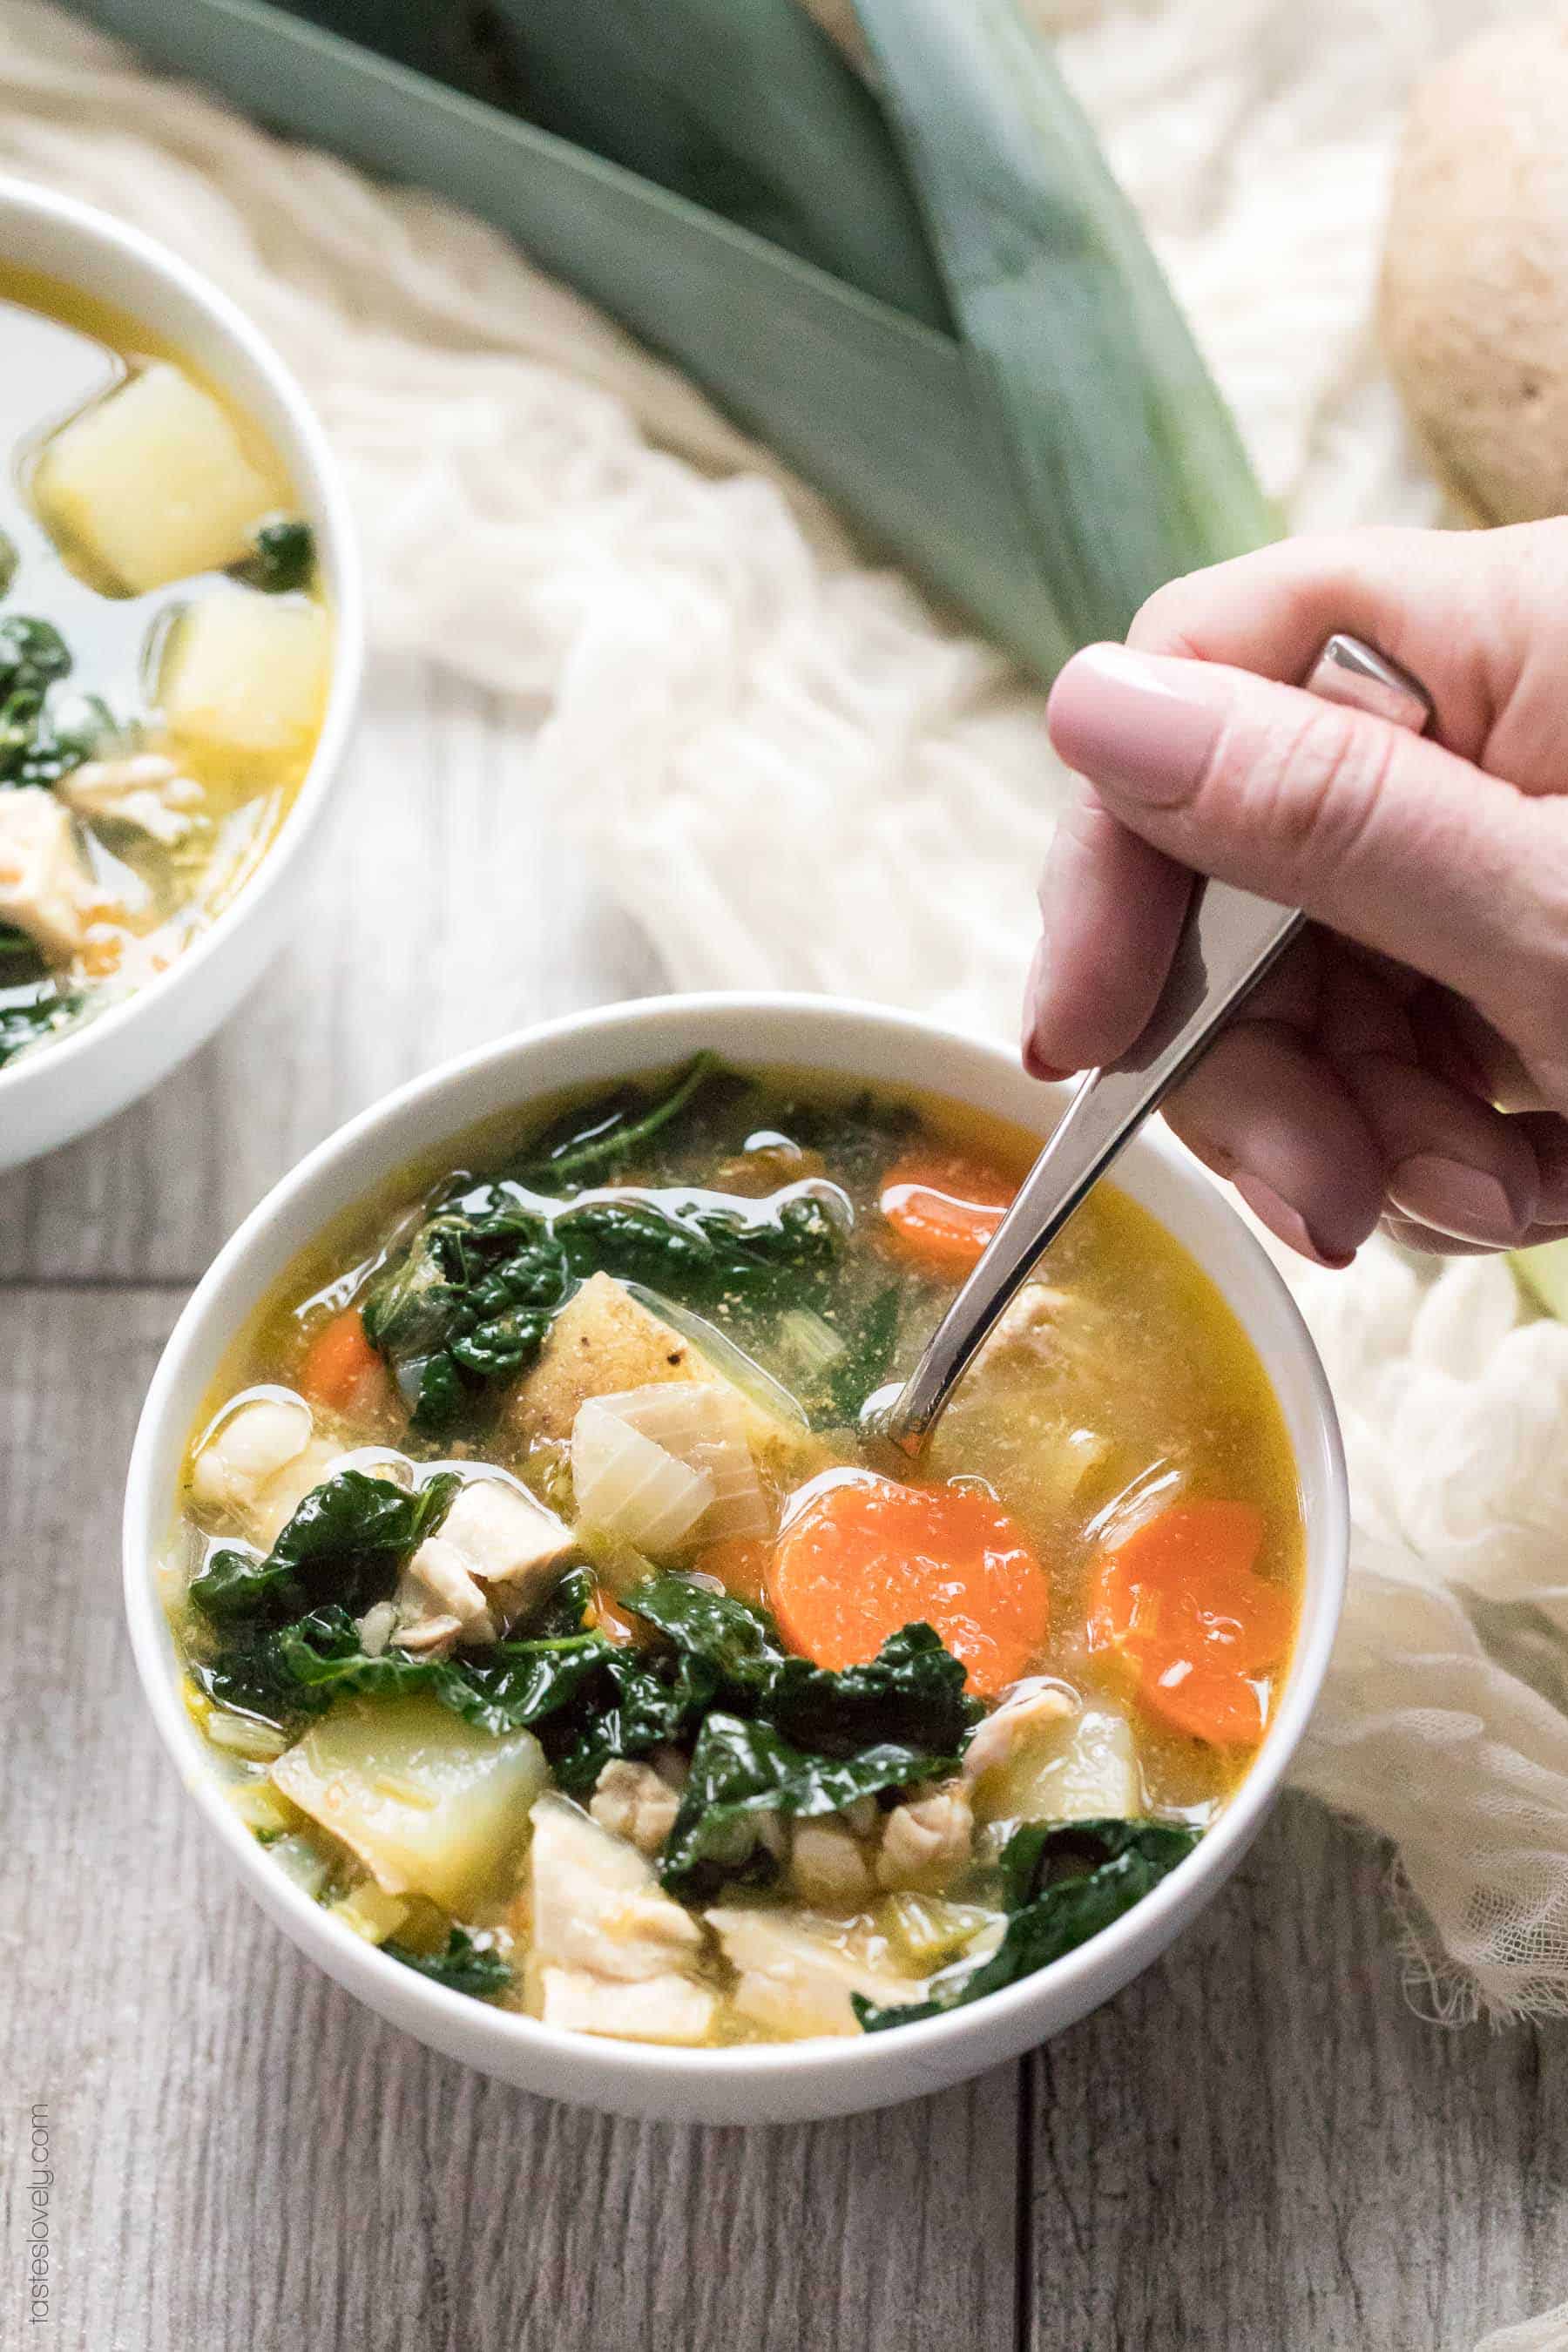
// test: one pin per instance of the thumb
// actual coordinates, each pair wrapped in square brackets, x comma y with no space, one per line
[1379,834]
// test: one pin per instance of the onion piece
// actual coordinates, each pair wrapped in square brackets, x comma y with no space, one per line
[731,1361]
[629,1485]
[703,1424]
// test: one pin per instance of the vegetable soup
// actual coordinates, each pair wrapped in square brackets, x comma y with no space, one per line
[559,1621]
[164,652]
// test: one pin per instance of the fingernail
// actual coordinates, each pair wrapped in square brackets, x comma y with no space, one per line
[1464,1202]
[1045,1071]
[1034,989]
[1288,1223]
[1138,724]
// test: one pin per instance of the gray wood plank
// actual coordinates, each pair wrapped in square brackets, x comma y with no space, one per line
[445,909]
[246,2159]
[1258,2145]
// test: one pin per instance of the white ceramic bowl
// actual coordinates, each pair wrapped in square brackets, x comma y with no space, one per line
[781,2082]
[47,1097]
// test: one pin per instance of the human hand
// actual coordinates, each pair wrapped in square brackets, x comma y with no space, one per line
[1407,1060]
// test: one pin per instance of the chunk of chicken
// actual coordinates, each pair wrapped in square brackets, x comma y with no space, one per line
[145,790]
[46,888]
[376,1627]
[669,2009]
[637,1802]
[437,1582]
[260,1463]
[423,1628]
[496,1554]
[925,1841]
[828,1868]
[596,1905]
[1028,1324]
[797,1972]
[1014,1723]
[248,1448]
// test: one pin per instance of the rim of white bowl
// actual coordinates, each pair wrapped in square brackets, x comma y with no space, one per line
[602,2064]
[322,491]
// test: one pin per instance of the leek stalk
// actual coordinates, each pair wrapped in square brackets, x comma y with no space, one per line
[1125,459]
[1043,467]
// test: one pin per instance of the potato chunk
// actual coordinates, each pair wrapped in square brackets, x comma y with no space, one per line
[430,1805]
[245,674]
[151,484]
[605,1342]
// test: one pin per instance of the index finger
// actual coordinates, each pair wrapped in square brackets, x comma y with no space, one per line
[1113,908]
[1459,609]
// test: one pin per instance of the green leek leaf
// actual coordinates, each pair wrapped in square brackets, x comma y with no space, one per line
[746,107]
[874,409]
[1043,474]
[1126,459]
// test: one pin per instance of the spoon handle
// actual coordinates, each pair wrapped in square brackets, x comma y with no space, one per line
[1230,939]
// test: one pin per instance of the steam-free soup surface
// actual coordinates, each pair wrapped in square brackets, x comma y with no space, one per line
[163,656]
[561,1627]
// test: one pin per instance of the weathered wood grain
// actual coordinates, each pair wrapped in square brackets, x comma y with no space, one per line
[1258,2145]
[444,911]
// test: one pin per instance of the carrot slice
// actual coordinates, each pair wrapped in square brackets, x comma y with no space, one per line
[1182,1602]
[343,1371]
[613,1622]
[943,1208]
[860,1556]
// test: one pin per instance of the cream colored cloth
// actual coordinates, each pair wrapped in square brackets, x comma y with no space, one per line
[795,776]
[1549,2333]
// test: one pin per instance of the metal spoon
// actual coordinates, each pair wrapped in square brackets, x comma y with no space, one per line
[1230,940]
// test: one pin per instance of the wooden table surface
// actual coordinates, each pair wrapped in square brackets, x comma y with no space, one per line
[1257,2147]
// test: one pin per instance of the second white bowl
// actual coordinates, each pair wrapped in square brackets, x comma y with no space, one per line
[83,1078]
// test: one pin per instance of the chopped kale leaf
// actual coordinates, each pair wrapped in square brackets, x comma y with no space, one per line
[466,1306]
[745,1773]
[605,1134]
[468,1965]
[911,1692]
[1065,1881]
[282,557]
[343,1546]
[32,1003]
